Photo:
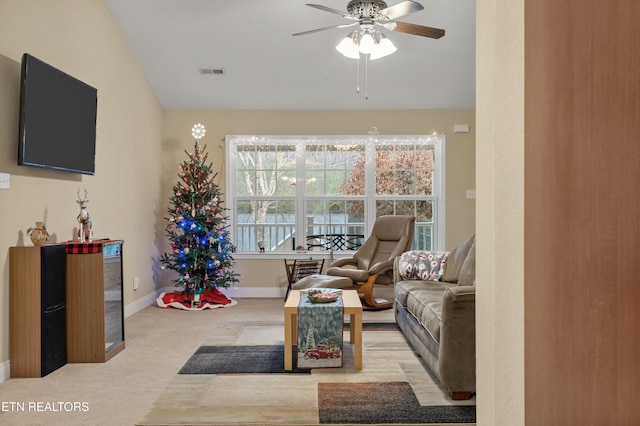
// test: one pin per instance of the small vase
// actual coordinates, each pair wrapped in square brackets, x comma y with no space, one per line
[39,235]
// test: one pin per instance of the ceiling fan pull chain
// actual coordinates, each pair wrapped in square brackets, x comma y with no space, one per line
[366,77]
[358,76]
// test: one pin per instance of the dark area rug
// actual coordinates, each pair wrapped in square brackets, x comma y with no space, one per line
[383,402]
[238,360]
[258,359]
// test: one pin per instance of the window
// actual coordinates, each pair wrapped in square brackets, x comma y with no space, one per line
[319,192]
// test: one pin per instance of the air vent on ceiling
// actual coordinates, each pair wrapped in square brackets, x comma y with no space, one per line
[211,71]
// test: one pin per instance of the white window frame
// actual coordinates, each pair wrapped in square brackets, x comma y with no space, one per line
[438,183]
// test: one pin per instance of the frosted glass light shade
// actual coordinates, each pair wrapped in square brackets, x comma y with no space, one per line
[367,43]
[383,48]
[348,46]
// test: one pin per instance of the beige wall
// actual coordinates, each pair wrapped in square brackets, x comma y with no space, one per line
[81,38]
[460,158]
[500,212]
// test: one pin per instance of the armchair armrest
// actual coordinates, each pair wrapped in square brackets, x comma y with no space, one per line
[381,267]
[344,261]
[396,272]
[457,355]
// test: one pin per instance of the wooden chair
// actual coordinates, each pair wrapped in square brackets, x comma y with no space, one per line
[301,268]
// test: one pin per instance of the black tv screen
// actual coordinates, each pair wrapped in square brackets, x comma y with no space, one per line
[57,119]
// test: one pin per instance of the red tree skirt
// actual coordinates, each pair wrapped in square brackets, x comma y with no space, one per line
[210,299]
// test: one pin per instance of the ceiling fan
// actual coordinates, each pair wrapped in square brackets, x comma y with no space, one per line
[370,13]
[367,40]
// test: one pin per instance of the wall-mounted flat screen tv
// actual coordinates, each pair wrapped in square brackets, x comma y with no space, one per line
[57,119]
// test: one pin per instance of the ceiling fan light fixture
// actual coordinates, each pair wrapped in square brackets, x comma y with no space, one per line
[367,40]
[348,46]
[367,43]
[383,48]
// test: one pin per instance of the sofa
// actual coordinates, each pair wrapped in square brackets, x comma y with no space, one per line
[434,296]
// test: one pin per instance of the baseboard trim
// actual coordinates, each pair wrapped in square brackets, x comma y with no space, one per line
[5,371]
[140,304]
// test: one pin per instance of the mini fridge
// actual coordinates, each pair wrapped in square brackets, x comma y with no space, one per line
[52,303]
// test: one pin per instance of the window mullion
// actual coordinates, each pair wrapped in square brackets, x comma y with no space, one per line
[370,186]
[301,189]
[230,182]
[439,190]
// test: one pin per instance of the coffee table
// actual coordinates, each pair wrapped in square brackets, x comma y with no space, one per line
[352,307]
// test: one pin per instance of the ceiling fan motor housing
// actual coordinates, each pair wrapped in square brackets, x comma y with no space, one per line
[365,9]
[376,12]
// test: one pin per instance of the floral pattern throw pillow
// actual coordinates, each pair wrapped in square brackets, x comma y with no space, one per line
[422,265]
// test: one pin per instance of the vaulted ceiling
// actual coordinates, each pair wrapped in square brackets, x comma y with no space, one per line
[265,67]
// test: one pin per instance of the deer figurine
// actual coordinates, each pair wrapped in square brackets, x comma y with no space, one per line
[84,219]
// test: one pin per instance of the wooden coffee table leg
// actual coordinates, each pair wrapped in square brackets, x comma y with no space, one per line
[356,338]
[352,332]
[288,341]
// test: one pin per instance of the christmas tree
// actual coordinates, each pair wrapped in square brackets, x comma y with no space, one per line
[196,226]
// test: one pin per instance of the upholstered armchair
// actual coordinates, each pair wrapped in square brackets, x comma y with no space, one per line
[373,262]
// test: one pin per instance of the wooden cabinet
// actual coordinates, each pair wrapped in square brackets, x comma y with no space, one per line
[37,310]
[95,317]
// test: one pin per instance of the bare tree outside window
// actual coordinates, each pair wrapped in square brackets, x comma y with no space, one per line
[266,171]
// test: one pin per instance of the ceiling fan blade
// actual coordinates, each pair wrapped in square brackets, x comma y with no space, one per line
[401,9]
[414,29]
[328,9]
[325,29]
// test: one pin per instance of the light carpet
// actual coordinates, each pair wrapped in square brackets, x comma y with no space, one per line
[288,398]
